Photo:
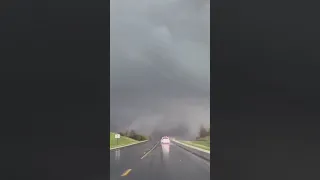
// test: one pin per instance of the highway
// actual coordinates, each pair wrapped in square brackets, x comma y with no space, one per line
[152,160]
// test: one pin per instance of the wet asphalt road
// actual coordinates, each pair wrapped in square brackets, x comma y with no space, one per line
[164,162]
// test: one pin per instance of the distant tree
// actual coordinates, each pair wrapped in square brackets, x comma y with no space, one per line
[203,132]
[122,134]
[143,138]
[132,134]
[127,133]
[135,137]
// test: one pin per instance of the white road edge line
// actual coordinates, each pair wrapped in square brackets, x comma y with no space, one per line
[118,147]
[194,156]
[150,150]
[193,147]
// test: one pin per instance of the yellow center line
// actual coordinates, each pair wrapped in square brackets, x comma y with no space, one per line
[126,172]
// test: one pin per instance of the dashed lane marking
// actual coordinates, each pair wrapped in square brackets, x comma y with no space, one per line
[126,172]
[150,151]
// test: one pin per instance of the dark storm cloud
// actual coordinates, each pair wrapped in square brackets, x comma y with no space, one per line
[160,65]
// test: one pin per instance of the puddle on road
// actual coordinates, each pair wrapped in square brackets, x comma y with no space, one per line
[117,154]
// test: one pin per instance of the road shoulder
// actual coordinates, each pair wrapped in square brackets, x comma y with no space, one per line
[131,144]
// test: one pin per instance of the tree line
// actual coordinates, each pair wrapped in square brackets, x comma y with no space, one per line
[133,135]
[203,132]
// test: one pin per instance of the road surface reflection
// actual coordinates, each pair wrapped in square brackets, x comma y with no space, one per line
[117,154]
[165,150]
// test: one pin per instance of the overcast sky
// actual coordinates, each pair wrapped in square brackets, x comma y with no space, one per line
[160,64]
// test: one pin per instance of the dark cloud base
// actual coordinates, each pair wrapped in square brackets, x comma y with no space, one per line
[159,66]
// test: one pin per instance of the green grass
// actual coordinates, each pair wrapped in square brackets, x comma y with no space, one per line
[203,143]
[207,138]
[122,141]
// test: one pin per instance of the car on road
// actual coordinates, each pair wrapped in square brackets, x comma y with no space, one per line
[165,140]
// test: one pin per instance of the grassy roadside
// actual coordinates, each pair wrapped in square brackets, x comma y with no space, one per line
[203,143]
[122,141]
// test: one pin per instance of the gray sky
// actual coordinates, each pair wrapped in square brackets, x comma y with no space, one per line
[160,64]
